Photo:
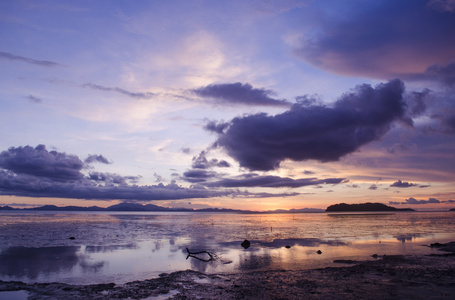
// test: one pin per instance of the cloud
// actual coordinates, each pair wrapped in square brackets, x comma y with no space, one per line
[198,175]
[201,162]
[276,7]
[377,39]
[146,95]
[442,5]
[110,178]
[412,200]
[253,180]
[373,187]
[261,142]
[37,172]
[97,158]
[247,194]
[44,63]
[186,150]
[444,74]
[39,162]
[30,186]
[34,99]
[216,127]
[401,184]
[238,93]
[201,166]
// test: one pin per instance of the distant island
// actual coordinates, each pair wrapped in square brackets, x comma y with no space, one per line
[343,207]
[127,206]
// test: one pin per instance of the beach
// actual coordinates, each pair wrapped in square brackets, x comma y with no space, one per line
[303,256]
[388,277]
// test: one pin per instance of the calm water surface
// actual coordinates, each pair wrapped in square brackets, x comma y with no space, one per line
[122,247]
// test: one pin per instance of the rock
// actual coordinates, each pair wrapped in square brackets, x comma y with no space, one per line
[345,261]
[287,246]
[245,244]
[319,252]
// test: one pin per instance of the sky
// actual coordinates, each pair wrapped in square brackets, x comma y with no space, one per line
[257,105]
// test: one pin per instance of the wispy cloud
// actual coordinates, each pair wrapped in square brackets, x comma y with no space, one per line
[239,93]
[140,95]
[43,63]
[254,180]
[34,99]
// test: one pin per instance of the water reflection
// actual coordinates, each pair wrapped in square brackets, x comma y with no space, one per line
[310,242]
[31,262]
[109,248]
[408,237]
[127,247]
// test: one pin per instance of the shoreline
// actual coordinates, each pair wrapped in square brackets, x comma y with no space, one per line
[390,277]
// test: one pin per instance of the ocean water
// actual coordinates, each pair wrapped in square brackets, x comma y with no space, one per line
[127,246]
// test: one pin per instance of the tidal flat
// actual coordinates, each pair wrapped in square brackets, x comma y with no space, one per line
[145,256]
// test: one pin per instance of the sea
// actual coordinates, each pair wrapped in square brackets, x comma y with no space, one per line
[120,247]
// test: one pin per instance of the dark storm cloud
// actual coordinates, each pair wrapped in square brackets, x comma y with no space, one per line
[198,175]
[37,172]
[31,186]
[261,142]
[238,93]
[97,158]
[378,40]
[41,163]
[43,63]
[253,180]
[147,95]
[200,168]
[402,184]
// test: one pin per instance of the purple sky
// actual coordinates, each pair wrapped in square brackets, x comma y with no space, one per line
[238,104]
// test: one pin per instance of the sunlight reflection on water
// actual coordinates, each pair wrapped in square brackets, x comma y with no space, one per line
[122,247]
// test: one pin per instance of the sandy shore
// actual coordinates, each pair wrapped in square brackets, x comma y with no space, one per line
[388,277]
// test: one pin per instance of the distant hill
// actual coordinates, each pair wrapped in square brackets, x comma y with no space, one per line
[151,208]
[137,207]
[6,208]
[364,207]
[66,208]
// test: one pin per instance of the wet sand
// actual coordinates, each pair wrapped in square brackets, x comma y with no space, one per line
[388,277]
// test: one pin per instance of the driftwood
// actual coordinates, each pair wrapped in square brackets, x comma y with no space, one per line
[194,254]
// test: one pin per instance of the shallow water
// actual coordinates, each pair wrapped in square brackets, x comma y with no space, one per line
[122,247]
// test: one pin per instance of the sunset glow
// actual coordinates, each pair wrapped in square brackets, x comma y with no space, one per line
[253,105]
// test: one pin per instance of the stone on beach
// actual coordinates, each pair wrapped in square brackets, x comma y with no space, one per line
[245,244]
